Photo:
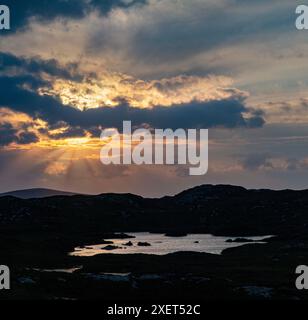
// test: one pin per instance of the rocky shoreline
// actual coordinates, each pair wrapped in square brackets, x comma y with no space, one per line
[249,272]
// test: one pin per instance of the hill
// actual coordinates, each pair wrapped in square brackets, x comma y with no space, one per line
[36,193]
[220,210]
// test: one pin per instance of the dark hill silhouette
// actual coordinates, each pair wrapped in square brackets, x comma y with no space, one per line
[222,210]
[36,193]
[37,234]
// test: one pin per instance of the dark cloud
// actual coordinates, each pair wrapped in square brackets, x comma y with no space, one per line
[71,132]
[8,135]
[257,161]
[9,62]
[27,137]
[47,10]
[20,94]
[205,26]
[225,113]
[105,6]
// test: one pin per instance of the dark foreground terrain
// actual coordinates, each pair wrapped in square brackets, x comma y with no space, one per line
[37,234]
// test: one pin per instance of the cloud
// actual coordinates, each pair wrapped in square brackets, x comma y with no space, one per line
[176,34]
[27,137]
[7,134]
[226,113]
[254,42]
[68,132]
[44,10]
[10,135]
[289,110]
[108,88]
[222,113]
[11,64]
[257,162]
[293,164]
[155,62]
[159,38]
[182,102]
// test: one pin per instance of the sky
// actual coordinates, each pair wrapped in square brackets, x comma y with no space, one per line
[71,68]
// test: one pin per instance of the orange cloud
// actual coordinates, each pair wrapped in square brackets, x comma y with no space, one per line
[109,88]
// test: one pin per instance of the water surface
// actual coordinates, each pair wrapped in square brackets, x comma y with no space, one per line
[162,244]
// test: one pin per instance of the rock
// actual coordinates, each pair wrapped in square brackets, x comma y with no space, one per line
[256,291]
[110,248]
[110,277]
[147,277]
[128,244]
[144,244]
[26,280]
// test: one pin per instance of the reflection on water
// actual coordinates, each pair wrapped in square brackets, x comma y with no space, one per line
[161,244]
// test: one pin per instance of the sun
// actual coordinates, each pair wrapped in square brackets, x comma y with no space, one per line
[77,141]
